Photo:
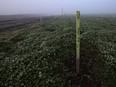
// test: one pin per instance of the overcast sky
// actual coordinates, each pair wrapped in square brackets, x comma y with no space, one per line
[54,6]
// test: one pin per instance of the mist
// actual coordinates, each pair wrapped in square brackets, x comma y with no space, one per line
[53,7]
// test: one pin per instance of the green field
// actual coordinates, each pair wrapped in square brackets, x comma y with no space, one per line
[44,54]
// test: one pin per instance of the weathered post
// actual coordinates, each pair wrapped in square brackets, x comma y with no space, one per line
[75,81]
[78,42]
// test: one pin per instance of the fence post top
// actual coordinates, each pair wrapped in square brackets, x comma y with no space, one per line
[78,11]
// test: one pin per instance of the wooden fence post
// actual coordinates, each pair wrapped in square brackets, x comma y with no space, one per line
[78,42]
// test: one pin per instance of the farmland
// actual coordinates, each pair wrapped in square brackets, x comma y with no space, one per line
[34,54]
[17,22]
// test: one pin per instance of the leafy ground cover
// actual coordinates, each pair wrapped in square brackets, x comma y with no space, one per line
[100,32]
[44,55]
[37,57]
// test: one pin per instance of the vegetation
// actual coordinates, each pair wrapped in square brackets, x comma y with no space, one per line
[44,55]
[101,36]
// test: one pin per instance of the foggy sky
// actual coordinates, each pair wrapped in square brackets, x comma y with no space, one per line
[53,7]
